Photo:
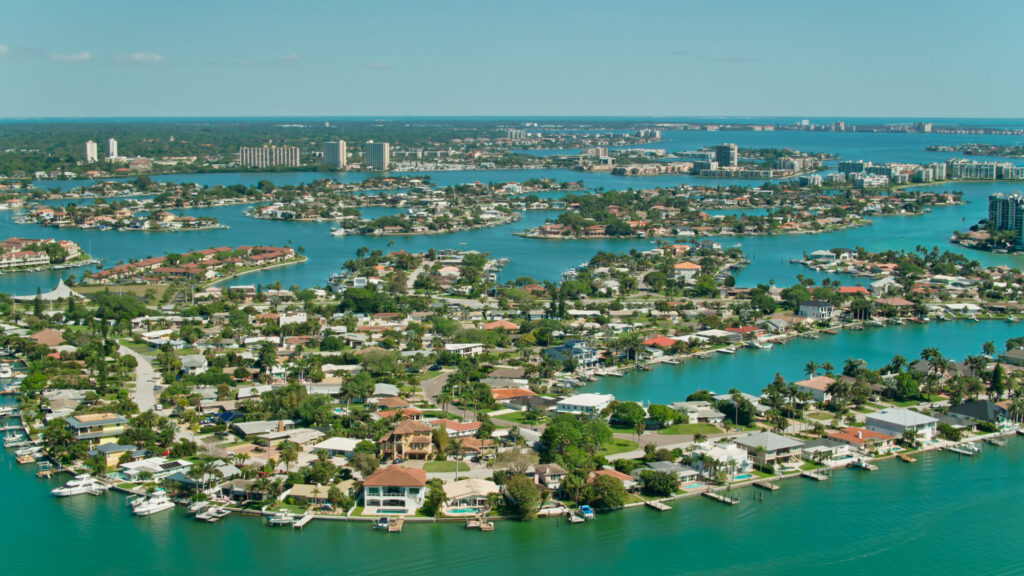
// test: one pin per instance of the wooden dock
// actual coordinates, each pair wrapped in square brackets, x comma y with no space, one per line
[659,506]
[906,458]
[766,485]
[961,450]
[723,499]
[306,519]
[814,475]
[395,525]
[574,519]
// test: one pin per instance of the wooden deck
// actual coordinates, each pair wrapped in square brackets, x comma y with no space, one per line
[766,485]
[659,506]
[814,475]
[723,499]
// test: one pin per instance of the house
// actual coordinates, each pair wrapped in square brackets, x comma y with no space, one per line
[262,427]
[979,411]
[817,387]
[699,411]
[469,349]
[884,285]
[550,476]
[727,453]
[588,404]
[102,428]
[501,325]
[894,421]
[193,364]
[112,453]
[576,350]
[153,468]
[680,471]
[821,449]
[818,310]
[1013,357]
[469,492]
[316,494]
[222,472]
[410,439]
[862,438]
[456,429]
[505,395]
[628,482]
[769,448]
[684,270]
[337,446]
[400,490]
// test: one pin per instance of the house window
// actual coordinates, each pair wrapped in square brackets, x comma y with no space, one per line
[414,491]
[373,491]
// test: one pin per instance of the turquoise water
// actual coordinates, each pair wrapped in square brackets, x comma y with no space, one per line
[751,370]
[742,477]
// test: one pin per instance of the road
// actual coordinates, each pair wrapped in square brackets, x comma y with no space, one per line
[146,380]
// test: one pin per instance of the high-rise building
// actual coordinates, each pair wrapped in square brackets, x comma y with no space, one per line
[112,148]
[377,155]
[727,155]
[1006,212]
[852,166]
[91,152]
[514,134]
[335,154]
[267,156]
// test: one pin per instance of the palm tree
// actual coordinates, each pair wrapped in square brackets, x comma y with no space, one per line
[828,368]
[289,453]
[811,369]
[455,449]
[988,348]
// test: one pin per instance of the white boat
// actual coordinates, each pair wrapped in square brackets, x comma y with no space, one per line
[338,232]
[81,484]
[6,372]
[281,518]
[156,502]
[7,410]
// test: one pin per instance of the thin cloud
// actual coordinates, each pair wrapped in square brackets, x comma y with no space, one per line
[144,58]
[73,57]
[378,66]
[289,57]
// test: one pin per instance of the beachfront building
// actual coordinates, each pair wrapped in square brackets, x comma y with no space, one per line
[577,351]
[586,404]
[769,448]
[394,490]
[153,468]
[101,428]
[335,154]
[726,453]
[894,421]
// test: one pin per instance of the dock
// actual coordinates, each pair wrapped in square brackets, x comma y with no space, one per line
[961,450]
[395,525]
[659,506]
[814,475]
[723,499]
[766,485]
[996,442]
[906,458]
[307,517]
[862,465]
[479,524]
[574,519]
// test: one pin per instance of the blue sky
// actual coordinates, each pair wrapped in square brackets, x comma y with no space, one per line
[521,57]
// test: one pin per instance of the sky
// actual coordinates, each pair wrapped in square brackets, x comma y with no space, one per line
[111,58]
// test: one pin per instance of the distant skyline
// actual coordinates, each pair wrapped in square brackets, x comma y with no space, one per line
[526,58]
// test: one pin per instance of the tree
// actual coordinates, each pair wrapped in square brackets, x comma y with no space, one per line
[522,496]
[909,438]
[434,499]
[662,415]
[604,492]
[811,369]
[627,413]
[364,463]
[455,450]
[657,483]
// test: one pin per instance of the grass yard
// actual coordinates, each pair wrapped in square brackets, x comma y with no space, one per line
[138,290]
[691,429]
[442,466]
[820,416]
[617,446]
[520,418]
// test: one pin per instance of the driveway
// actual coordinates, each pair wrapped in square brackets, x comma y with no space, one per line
[146,380]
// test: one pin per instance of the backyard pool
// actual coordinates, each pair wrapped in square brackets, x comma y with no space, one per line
[693,486]
[743,477]
[464,510]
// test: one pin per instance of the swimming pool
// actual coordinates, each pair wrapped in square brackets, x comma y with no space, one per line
[742,476]
[464,510]
[391,511]
[693,485]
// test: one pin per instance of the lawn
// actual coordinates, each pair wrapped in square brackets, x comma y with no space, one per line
[138,290]
[691,429]
[617,446]
[811,466]
[520,418]
[293,508]
[821,416]
[442,466]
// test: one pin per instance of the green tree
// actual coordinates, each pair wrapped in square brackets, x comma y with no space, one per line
[604,492]
[657,483]
[522,496]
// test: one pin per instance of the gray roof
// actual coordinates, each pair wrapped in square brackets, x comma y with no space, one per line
[771,441]
[193,361]
[261,426]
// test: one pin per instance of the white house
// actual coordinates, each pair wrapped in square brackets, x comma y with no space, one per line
[817,310]
[344,447]
[194,364]
[817,387]
[470,349]
[588,404]
[397,489]
[893,421]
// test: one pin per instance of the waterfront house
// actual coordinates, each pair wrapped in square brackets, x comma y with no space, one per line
[628,482]
[821,449]
[550,476]
[894,421]
[818,310]
[682,472]
[863,439]
[101,428]
[469,492]
[409,439]
[113,453]
[769,448]
[978,411]
[394,490]
[576,350]
[586,404]
[153,468]
[726,453]
[817,387]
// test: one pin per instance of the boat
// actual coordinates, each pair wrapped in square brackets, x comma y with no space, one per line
[587,512]
[861,464]
[996,442]
[156,502]
[727,350]
[907,459]
[281,518]
[338,232]
[198,507]
[6,372]
[81,484]
[382,523]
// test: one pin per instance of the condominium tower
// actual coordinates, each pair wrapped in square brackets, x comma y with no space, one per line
[377,155]
[267,156]
[335,154]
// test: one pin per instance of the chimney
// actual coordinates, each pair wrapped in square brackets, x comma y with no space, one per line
[859,434]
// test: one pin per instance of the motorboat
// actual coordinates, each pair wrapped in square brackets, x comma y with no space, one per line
[156,502]
[281,518]
[81,484]
[6,372]
[587,512]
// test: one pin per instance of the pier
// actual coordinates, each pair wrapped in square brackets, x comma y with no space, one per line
[814,475]
[723,499]
[961,450]
[395,525]
[307,517]
[659,506]
[766,485]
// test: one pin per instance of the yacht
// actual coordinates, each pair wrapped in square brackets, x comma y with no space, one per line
[339,231]
[156,502]
[6,372]
[281,518]
[81,484]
